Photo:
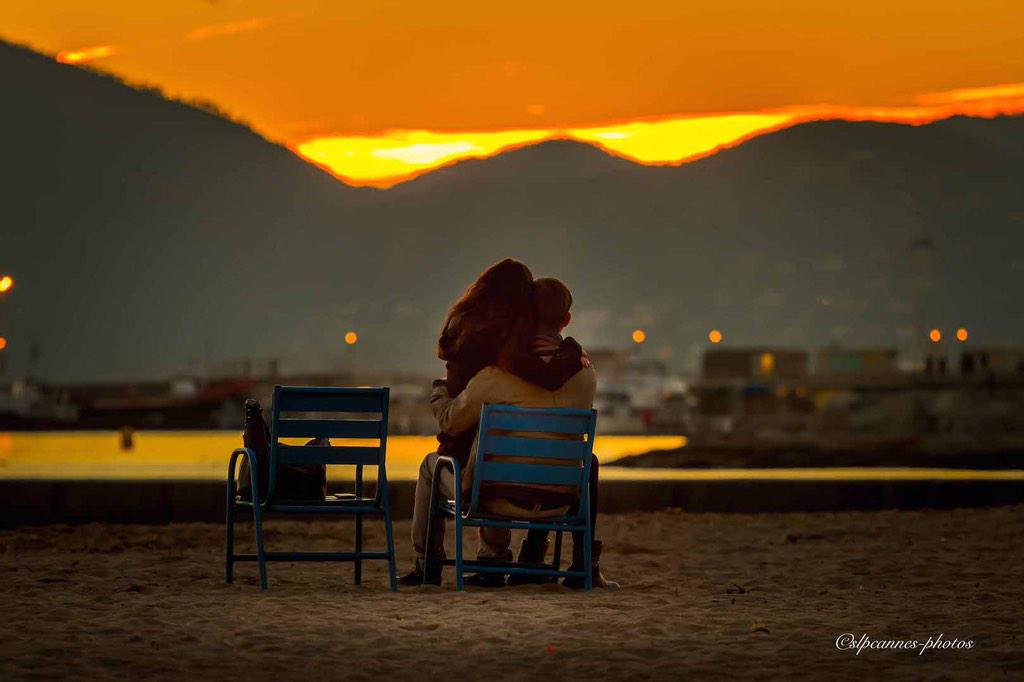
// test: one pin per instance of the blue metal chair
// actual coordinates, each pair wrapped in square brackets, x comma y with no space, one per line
[291,407]
[520,445]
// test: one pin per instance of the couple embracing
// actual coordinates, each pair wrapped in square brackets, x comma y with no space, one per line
[502,343]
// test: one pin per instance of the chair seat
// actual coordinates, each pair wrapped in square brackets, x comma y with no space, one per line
[331,502]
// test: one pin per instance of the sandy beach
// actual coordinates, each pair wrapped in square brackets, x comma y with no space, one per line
[704,595]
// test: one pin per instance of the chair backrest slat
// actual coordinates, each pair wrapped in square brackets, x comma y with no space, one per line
[328,428]
[316,402]
[320,399]
[312,454]
[506,472]
[519,446]
[533,446]
[539,420]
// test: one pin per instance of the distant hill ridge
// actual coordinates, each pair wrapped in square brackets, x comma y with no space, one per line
[148,236]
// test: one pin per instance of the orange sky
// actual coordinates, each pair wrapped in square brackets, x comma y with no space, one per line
[655,81]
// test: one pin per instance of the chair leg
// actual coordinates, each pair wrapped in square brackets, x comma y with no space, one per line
[432,512]
[459,583]
[261,560]
[392,573]
[229,563]
[556,560]
[359,548]
[588,572]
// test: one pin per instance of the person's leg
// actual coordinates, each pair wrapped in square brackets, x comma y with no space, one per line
[494,544]
[420,517]
[421,507]
[532,550]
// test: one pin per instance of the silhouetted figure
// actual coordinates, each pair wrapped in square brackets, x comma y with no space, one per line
[967,364]
[127,436]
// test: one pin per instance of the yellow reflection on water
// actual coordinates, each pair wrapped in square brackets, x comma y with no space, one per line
[814,474]
[204,455]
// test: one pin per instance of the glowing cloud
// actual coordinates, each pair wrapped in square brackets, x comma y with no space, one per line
[89,54]
[85,54]
[1009,91]
[245,26]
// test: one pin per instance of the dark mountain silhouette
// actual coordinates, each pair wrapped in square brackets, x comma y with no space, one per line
[145,233]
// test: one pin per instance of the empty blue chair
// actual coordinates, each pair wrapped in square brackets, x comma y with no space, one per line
[517,446]
[291,419]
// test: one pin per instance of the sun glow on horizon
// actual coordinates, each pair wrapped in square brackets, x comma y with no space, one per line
[393,157]
[385,160]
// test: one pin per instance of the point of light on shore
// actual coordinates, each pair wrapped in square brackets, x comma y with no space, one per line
[961,334]
[639,336]
[3,343]
[6,282]
[715,336]
[351,338]
[935,335]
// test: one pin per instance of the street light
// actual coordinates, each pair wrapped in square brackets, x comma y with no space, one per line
[639,336]
[935,335]
[715,336]
[351,338]
[6,282]
[961,334]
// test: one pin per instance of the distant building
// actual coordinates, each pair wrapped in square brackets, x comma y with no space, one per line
[998,362]
[753,365]
[630,388]
[936,364]
[835,360]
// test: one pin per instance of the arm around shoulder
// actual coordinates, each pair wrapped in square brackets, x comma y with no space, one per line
[461,413]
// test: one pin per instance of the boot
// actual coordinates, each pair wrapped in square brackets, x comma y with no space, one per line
[577,582]
[421,576]
[530,553]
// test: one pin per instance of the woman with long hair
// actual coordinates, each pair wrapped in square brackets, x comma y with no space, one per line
[491,324]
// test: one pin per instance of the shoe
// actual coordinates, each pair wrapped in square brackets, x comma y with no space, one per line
[418,576]
[577,582]
[485,580]
[530,553]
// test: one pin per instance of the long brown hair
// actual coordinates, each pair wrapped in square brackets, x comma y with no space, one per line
[493,318]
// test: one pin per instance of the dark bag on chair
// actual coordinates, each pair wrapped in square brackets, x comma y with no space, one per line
[294,481]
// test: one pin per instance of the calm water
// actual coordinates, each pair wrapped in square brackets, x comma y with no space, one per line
[203,455]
